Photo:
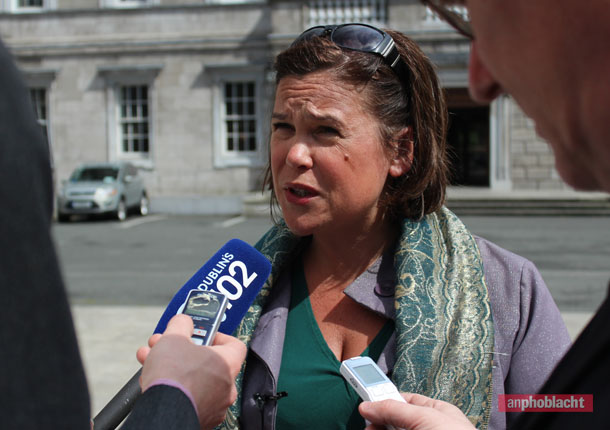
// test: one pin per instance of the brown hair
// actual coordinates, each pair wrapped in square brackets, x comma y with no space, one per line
[421,106]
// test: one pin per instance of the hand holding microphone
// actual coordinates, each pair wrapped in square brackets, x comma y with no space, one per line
[238,271]
[207,373]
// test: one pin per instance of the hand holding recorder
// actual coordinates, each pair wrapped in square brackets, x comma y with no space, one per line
[208,373]
[369,381]
[416,413]
[385,407]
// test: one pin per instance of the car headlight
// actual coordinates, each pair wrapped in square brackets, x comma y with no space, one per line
[105,193]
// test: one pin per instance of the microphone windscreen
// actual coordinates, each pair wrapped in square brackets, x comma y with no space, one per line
[237,270]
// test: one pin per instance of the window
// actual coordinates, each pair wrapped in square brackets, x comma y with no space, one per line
[27,6]
[39,101]
[29,3]
[133,119]
[468,139]
[237,123]
[323,12]
[240,116]
[238,108]
[130,111]
[39,83]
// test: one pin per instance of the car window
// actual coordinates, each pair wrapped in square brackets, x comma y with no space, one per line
[103,174]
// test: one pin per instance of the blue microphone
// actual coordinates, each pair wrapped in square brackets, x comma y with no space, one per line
[238,271]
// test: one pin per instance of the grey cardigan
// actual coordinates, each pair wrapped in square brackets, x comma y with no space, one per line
[530,335]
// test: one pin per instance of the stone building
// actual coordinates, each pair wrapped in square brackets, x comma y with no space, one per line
[183,89]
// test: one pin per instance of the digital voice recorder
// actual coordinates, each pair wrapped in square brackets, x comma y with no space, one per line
[369,381]
[206,309]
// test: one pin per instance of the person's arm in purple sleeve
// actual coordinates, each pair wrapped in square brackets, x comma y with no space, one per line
[177,371]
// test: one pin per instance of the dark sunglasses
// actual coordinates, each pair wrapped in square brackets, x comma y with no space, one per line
[363,38]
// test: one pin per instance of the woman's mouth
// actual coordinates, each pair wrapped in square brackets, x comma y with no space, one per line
[299,193]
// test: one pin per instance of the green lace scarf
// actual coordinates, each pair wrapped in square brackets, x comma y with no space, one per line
[444,325]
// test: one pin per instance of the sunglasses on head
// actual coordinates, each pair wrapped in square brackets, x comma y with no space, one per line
[363,38]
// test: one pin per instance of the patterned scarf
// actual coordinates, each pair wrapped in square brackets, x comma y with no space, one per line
[444,327]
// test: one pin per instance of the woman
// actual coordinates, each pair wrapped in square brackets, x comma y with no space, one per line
[367,261]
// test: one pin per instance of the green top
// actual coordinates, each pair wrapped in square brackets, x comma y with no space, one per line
[318,396]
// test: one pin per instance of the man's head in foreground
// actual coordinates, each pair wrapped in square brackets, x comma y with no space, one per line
[552,57]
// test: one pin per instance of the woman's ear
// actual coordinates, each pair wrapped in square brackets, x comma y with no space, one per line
[402,155]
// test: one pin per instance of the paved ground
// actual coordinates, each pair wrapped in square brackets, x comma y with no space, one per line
[144,261]
[108,338]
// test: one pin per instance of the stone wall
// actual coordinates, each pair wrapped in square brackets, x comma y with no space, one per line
[190,45]
[532,160]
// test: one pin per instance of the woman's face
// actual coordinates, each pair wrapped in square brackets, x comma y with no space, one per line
[328,162]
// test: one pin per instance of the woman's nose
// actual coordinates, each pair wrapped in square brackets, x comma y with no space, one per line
[299,156]
[483,86]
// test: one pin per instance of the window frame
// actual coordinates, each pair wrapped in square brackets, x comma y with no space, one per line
[42,122]
[12,6]
[43,79]
[223,158]
[117,77]
[28,8]
[138,119]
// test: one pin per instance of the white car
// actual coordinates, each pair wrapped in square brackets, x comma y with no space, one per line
[102,188]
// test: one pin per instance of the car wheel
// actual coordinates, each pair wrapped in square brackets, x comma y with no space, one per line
[121,211]
[63,218]
[144,205]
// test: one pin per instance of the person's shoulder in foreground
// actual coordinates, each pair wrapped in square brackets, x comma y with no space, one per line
[43,381]
[585,369]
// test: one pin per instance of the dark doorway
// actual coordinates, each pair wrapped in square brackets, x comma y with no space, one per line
[468,139]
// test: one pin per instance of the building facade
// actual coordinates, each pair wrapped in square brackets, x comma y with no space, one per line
[183,88]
